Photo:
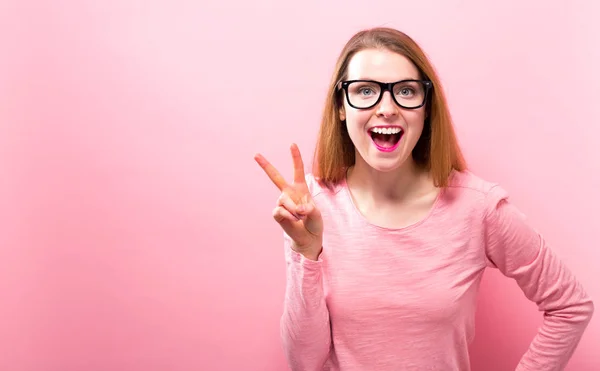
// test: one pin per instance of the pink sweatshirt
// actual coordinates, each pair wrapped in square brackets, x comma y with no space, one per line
[404,299]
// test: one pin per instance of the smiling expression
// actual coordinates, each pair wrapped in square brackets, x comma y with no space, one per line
[384,135]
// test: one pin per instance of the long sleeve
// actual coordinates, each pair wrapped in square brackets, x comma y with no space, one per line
[305,331]
[521,253]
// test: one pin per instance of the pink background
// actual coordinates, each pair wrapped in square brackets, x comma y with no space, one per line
[135,227]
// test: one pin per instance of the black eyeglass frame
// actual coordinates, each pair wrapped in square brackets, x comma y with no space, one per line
[388,86]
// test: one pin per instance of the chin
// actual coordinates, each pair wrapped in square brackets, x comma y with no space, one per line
[385,160]
[386,165]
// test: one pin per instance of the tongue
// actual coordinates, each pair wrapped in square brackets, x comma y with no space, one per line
[385,140]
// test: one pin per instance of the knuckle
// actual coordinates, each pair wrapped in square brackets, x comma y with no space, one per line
[277,213]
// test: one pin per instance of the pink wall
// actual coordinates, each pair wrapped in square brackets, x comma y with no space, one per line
[135,227]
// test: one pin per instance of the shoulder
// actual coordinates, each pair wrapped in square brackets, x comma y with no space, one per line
[469,182]
[317,188]
[485,203]
[467,186]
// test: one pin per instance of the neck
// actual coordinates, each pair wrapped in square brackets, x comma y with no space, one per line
[408,181]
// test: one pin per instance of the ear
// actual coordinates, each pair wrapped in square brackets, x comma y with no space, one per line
[342,114]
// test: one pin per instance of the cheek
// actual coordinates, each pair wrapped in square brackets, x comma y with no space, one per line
[357,120]
[355,124]
[415,121]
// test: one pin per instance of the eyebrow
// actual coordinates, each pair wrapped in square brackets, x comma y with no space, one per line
[402,79]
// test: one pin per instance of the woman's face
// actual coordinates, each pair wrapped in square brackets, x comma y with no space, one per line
[384,135]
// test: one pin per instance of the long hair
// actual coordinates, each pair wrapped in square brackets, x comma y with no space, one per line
[437,149]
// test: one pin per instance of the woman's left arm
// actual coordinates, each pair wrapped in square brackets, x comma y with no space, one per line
[520,252]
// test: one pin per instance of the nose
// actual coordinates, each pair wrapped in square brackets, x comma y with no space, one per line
[387,107]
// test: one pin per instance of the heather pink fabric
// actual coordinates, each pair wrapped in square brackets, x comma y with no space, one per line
[404,299]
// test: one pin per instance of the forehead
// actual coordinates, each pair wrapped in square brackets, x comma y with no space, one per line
[381,65]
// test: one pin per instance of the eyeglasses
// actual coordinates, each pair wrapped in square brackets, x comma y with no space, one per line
[365,94]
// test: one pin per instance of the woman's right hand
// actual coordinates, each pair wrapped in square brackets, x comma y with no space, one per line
[296,211]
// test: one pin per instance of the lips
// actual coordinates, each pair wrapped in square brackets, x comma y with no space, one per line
[386,138]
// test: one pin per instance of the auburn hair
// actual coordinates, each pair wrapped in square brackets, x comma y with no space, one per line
[437,149]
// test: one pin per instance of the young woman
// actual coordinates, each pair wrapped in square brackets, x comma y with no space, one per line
[387,239]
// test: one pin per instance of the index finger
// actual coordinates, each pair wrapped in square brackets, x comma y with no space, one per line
[273,174]
[299,176]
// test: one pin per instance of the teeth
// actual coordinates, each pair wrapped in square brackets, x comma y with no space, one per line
[395,130]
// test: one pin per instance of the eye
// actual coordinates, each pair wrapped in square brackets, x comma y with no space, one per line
[406,91]
[365,91]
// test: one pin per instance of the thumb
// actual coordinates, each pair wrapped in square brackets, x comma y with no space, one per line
[311,215]
[305,207]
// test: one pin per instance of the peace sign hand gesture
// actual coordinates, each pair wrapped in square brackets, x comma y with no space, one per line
[296,211]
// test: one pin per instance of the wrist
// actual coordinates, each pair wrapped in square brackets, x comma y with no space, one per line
[310,253]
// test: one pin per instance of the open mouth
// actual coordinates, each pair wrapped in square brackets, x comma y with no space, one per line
[386,139]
